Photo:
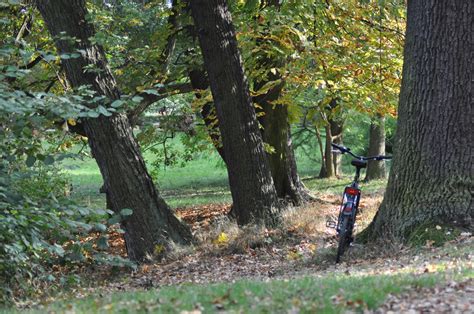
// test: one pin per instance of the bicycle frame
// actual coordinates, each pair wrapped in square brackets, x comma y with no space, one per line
[350,201]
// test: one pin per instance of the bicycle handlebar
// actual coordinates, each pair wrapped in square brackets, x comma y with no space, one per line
[344,150]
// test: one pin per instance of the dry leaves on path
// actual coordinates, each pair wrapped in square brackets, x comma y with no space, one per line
[450,298]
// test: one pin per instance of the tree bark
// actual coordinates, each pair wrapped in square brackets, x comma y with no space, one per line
[376,168]
[251,184]
[276,132]
[337,127]
[432,177]
[199,81]
[327,165]
[274,119]
[331,163]
[126,180]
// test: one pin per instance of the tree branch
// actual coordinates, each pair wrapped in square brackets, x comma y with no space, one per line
[163,92]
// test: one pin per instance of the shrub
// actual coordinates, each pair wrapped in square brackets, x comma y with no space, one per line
[40,227]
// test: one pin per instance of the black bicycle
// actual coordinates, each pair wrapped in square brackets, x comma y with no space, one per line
[350,201]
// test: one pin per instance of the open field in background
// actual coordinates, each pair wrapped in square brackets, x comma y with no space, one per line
[203,179]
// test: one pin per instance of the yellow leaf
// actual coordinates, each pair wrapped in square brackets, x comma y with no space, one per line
[159,248]
[222,239]
[71,122]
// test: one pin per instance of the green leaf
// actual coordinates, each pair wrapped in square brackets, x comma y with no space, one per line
[251,5]
[83,211]
[104,111]
[49,57]
[103,243]
[137,99]
[48,160]
[30,160]
[115,219]
[152,92]
[100,227]
[93,114]
[117,103]
[126,212]
[58,250]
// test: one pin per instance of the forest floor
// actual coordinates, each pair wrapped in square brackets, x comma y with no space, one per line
[290,263]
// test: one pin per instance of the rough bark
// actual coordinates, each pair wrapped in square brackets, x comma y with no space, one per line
[274,120]
[276,133]
[376,168]
[432,176]
[251,184]
[126,180]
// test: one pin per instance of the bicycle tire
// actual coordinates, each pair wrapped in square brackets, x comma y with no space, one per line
[343,239]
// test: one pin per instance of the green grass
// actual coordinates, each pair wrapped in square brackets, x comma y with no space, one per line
[202,180]
[433,233]
[330,294]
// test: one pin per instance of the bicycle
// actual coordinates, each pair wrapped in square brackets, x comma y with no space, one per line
[350,202]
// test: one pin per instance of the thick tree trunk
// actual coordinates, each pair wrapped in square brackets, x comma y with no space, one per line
[376,169]
[432,177]
[276,132]
[253,192]
[274,120]
[126,180]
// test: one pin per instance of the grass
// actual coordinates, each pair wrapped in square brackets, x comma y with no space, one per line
[202,180]
[330,294]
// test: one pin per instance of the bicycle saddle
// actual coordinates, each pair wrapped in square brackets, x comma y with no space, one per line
[359,163]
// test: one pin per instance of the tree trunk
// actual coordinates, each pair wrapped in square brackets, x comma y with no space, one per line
[276,132]
[126,180]
[251,184]
[432,177]
[274,119]
[199,81]
[327,165]
[337,126]
[376,168]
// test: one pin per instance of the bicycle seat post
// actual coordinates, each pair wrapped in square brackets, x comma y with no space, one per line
[359,164]
[357,175]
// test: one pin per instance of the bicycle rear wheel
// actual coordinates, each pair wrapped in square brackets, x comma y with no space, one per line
[343,238]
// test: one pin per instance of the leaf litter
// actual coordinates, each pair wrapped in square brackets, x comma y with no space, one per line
[302,247]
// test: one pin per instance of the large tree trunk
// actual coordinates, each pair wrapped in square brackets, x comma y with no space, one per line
[126,180]
[432,178]
[253,192]
[276,132]
[274,120]
[376,168]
